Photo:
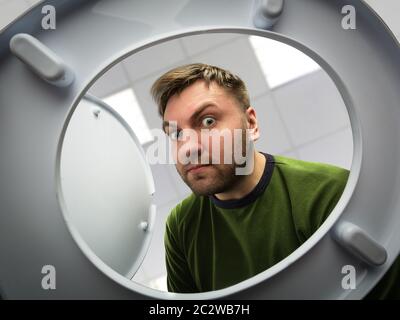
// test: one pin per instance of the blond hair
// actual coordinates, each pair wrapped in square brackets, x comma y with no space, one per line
[176,80]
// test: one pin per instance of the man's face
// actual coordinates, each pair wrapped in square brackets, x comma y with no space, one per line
[197,108]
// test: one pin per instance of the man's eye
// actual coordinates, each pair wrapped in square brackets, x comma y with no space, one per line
[175,135]
[208,121]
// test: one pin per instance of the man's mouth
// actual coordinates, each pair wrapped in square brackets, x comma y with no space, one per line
[196,168]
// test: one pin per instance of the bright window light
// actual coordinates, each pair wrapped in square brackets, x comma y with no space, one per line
[125,103]
[280,62]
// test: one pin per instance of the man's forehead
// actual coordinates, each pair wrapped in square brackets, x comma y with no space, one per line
[191,94]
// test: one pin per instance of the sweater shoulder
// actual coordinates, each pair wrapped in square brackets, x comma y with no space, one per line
[301,171]
[313,190]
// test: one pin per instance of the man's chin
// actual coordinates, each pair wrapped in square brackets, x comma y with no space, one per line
[204,193]
[208,189]
[203,188]
[200,190]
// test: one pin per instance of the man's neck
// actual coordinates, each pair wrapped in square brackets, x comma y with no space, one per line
[248,183]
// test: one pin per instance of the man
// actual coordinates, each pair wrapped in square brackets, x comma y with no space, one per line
[233,226]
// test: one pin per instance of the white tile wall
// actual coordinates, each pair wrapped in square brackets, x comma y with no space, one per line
[237,56]
[274,137]
[151,60]
[311,107]
[336,149]
[291,154]
[202,43]
[142,90]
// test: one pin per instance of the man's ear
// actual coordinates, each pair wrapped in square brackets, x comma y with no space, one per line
[252,124]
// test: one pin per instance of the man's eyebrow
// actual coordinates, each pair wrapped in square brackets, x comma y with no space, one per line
[201,109]
[195,114]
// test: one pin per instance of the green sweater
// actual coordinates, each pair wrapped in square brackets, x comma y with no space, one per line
[211,244]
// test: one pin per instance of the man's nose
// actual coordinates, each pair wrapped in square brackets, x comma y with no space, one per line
[191,150]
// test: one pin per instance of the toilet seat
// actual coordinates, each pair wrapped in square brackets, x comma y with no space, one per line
[34,115]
